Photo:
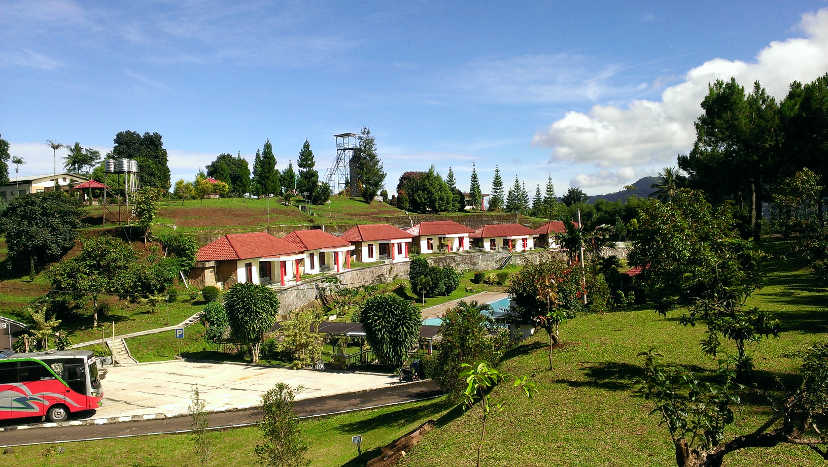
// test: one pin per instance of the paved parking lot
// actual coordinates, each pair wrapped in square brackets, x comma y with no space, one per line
[166,387]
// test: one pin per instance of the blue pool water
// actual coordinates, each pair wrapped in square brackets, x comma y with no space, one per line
[499,308]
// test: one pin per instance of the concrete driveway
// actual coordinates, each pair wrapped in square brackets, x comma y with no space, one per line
[166,387]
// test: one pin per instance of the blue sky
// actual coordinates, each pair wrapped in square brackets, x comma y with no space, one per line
[594,94]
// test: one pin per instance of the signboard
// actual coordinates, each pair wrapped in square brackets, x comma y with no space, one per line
[357,439]
[179,333]
[2,325]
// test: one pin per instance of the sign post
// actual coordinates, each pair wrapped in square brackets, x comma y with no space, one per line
[357,439]
[179,334]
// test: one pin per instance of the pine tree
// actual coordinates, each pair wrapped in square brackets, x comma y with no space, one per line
[308,176]
[496,203]
[370,173]
[524,199]
[256,186]
[450,180]
[265,175]
[288,179]
[537,203]
[550,201]
[475,193]
[457,199]
[513,197]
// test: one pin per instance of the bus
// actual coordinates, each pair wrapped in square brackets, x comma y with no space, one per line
[51,384]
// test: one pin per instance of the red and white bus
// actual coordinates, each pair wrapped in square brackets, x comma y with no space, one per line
[52,384]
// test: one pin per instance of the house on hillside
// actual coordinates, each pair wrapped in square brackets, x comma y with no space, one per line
[468,206]
[512,237]
[379,242]
[548,234]
[323,252]
[440,236]
[39,184]
[256,257]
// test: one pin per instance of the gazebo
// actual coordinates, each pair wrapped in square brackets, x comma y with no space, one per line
[91,184]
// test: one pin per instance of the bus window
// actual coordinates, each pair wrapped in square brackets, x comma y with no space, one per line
[32,371]
[8,372]
[71,370]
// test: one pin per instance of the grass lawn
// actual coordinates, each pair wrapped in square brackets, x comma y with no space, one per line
[164,345]
[329,441]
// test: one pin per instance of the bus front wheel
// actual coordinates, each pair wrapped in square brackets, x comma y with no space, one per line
[57,413]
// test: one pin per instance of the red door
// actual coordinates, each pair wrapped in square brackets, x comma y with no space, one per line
[248,272]
[525,243]
[282,270]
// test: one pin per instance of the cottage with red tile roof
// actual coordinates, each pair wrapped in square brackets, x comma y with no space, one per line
[548,233]
[375,242]
[512,237]
[255,257]
[322,251]
[444,236]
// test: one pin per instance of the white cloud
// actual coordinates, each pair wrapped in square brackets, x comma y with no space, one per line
[604,180]
[648,132]
[29,59]
[146,80]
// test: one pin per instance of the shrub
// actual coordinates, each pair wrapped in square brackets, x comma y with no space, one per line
[172,295]
[392,327]
[193,294]
[282,442]
[502,277]
[300,339]
[432,281]
[321,194]
[478,277]
[210,293]
[490,279]
[598,294]
[217,324]
[251,311]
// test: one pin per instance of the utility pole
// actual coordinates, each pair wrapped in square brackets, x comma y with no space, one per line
[583,271]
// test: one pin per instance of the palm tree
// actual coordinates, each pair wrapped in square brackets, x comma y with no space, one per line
[17,161]
[55,146]
[669,184]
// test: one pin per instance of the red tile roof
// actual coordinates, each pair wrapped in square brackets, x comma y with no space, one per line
[502,230]
[439,228]
[552,227]
[244,246]
[90,184]
[315,239]
[374,232]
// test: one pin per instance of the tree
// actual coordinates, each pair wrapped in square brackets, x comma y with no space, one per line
[524,199]
[288,182]
[145,206]
[697,411]
[667,186]
[537,202]
[572,240]
[282,443]
[475,194]
[458,202]
[392,327]
[308,176]
[98,269]
[43,327]
[691,254]
[468,335]
[480,379]
[795,210]
[148,150]
[370,173]
[299,337]
[251,309]
[574,195]
[257,185]
[17,161]
[81,160]
[184,190]
[40,228]
[4,158]
[431,281]
[232,170]
[513,198]
[216,322]
[496,202]
[55,146]
[200,422]
[321,194]
[181,246]
[429,193]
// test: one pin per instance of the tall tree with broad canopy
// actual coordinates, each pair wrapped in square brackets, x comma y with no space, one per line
[148,150]
[40,228]
[573,196]
[232,170]
[392,327]
[370,173]
[475,194]
[308,176]
[4,161]
[81,160]
[251,310]
[496,202]
[429,193]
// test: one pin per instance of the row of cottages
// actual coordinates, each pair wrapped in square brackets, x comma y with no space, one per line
[379,242]
[512,237]
[441,236]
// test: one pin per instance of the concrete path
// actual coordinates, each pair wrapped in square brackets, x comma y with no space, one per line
[166,387]
[438,311]
[183,324]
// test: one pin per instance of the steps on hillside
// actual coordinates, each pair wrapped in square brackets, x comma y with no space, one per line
[191,320]
[120,352]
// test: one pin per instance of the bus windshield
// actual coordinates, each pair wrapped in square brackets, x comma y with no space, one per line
[93,374]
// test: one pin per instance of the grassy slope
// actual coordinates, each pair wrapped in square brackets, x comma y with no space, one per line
[329,440]
[587,411]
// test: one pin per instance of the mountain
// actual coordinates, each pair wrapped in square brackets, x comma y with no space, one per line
[643,188]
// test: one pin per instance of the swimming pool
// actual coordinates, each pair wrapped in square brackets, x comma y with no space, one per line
[499,308]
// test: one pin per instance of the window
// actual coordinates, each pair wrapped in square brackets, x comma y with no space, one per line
[370,250]
[264,269]
[72,371]
[8,372]
[399,248]
[312,258]
[32,371]
[429,243]
[321,258]
[492,244]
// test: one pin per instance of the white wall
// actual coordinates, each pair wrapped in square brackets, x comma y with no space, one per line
[518,243]
[241,275]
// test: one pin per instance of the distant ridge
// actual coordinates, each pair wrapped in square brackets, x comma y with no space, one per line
[643,188]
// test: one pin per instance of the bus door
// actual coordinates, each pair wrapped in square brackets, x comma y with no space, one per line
[73,372]
[8,375]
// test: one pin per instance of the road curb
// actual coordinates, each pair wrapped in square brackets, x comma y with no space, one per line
[86,422]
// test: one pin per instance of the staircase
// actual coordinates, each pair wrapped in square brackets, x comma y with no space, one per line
[120,352]
[191,320]
[505,261]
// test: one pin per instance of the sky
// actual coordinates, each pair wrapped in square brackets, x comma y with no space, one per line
[592,94]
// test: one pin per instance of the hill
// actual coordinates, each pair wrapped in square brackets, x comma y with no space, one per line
[642,188]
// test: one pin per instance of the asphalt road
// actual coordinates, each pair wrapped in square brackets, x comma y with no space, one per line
[304,408]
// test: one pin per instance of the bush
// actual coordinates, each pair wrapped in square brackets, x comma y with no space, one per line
[210,293]
[217,324]
[251,311]
[282,442]
[490,279]
[271,350]
[182,246]
[193,294]
[432,281]
[392,327]
[478,277]
[321,194]
[172,295]
[502,277]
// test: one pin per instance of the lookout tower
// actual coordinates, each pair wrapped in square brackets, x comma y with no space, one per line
[343,170]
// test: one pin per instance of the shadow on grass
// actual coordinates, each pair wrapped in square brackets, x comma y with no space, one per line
[523,349]
[395,419]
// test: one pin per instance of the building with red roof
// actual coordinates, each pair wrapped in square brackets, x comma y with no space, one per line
[255,257]
[548,233]
[379,242]
[512,237]
[322,251]
[436,236]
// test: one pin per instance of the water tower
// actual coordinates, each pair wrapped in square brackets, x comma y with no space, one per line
[343,170]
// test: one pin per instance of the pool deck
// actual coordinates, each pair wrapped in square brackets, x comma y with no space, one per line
[437,311]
